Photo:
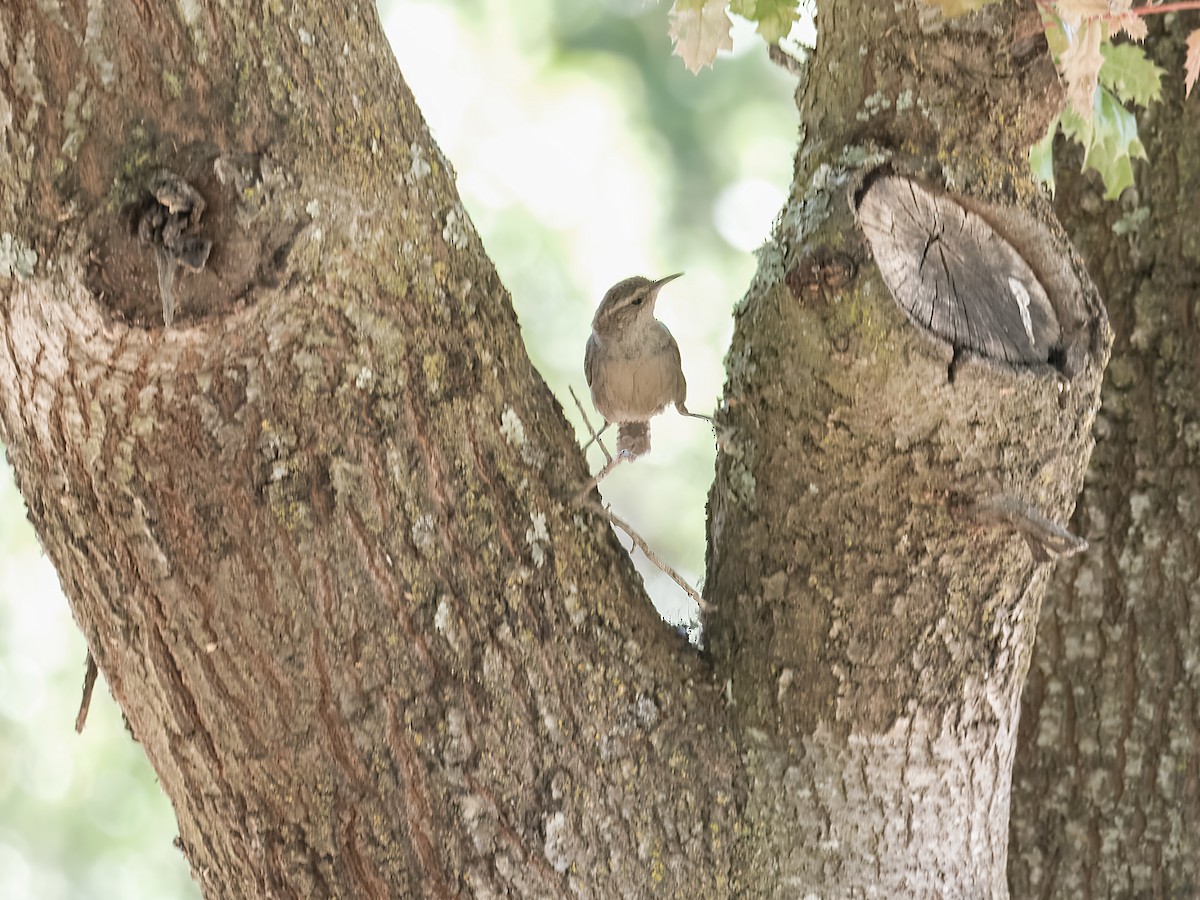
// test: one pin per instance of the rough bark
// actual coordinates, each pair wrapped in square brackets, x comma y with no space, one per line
[319,534]
[873,628]
[1106,793]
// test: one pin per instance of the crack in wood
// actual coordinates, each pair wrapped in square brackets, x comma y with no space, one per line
[955,276]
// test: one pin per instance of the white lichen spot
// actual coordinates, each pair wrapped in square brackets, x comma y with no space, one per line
[364,378]
[904,102]
[1021,295]
[456,722]
[455,232]
[479,819]
[419,167]
[873,105]
[1131,221]
[25,74]
[52,9]
[786,677]
[575,610]
[192,11]
[646,711]
[1140,505]
[17,260]
[422,533]
[558,842]
[313,208]
[94,46]
[538,537]
[443,621]
[512,428]
[6,118]
[305,36]
[76,113]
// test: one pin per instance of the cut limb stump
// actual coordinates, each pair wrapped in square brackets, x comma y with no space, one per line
[955,276]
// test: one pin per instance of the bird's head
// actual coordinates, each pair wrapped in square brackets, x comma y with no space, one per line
[628,301]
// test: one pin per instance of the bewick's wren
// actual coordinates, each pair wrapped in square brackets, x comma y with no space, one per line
[632,364]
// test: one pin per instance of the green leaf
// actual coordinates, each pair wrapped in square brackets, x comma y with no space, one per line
[1056,38]
[1129,74]
[774,18]
[1110,141]
[1041,157]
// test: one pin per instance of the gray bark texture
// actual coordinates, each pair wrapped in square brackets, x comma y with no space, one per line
[321,537]
[1106,791]
[851,535]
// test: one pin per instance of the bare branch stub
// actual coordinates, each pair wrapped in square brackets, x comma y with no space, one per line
[169,224]
[955,276]
[89,683]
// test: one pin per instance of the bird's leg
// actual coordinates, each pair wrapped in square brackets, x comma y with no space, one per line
[683,411]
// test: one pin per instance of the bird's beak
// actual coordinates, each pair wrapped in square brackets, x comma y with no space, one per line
[663,281]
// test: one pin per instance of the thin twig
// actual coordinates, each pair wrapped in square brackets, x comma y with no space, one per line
[599,476]
[1144,10]
[89,682]
[1165,8]
[595,439]
[593,432]
[654,558]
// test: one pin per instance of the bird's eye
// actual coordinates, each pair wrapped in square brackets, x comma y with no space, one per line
[637,302]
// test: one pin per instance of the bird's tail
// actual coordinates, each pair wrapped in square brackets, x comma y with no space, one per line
[634,438]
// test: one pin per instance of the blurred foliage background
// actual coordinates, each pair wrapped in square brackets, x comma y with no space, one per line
[585,153]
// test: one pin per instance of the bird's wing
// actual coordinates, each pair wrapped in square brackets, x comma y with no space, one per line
[589,359]
[675,370]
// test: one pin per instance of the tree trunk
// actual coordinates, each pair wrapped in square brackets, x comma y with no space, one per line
[1106,795]
[320,534]
[874,622]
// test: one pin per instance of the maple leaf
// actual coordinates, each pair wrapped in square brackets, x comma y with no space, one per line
[1191,65]
[1129,75]
[1132,25]
[1081,63]
[699,31]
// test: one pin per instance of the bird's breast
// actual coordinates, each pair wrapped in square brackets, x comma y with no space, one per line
[634,383]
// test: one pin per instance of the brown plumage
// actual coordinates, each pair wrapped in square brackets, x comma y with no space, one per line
[632,363]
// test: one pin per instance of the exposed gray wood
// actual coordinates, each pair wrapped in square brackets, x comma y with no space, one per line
[955,276]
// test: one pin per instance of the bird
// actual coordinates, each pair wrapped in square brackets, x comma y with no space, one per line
[632,365]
